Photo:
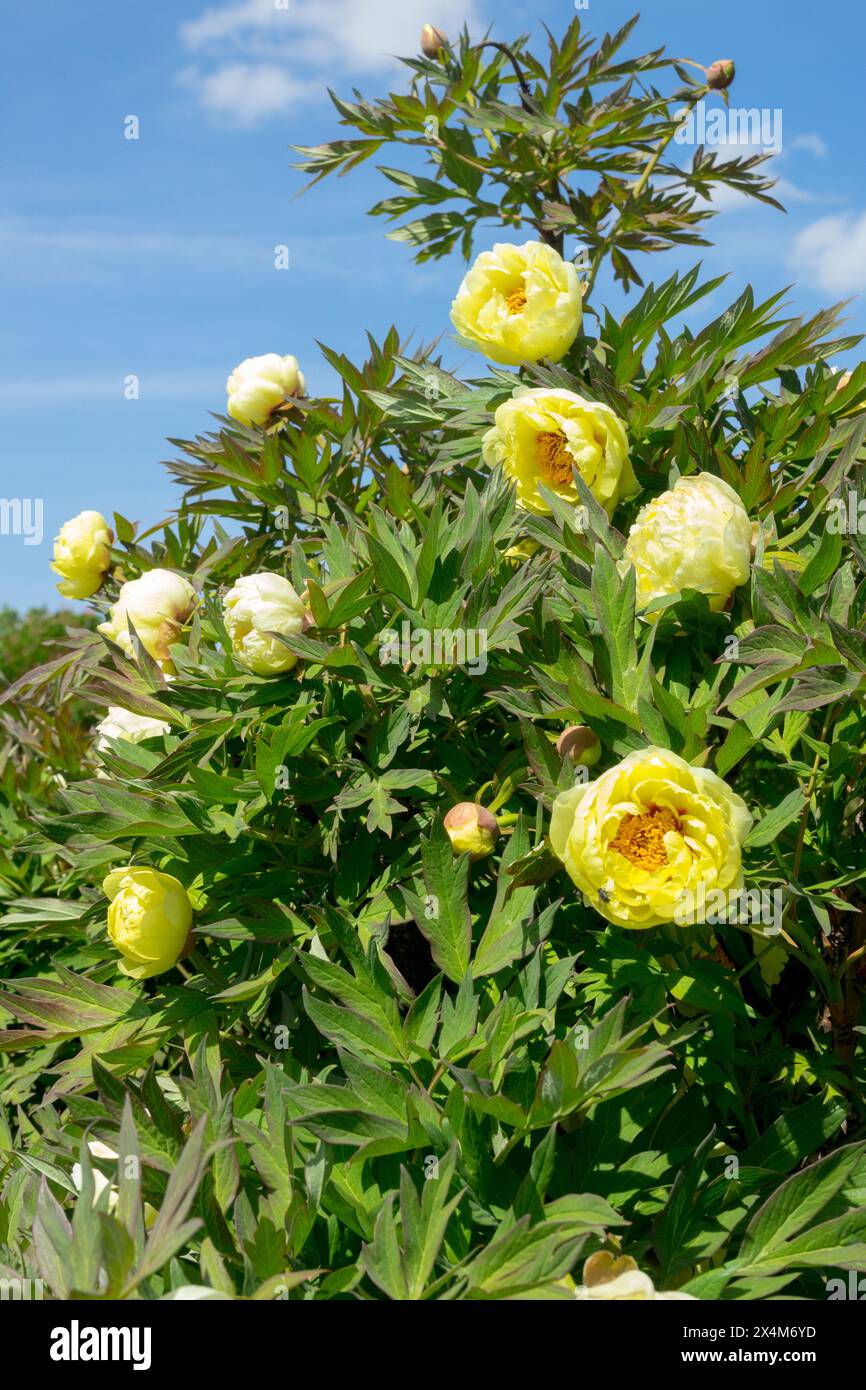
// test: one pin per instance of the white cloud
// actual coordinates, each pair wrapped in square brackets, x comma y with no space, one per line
[228,21]
[811,142]
[246,93]
[830,254]
[258,57]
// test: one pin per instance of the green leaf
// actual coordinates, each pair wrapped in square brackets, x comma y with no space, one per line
[444,917]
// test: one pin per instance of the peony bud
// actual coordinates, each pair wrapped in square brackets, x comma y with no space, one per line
[82,554]
[471,829]
[132,728]
[579,744]
[259,384]
[720,74]
[149,920]
[256,607]
[157,605]
[432,41]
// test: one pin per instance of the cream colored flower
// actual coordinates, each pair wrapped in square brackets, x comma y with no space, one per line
[256,607]
[649,837]
[539,436]
[149,919]
[471,829]
[632,1286]
[519,303]
[123,724]
[196,1293]
[697,536]
[259,384]
[82,554]
[157,605]
[100,1182]
[608,1277]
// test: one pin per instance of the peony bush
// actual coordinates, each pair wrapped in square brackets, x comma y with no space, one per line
[452,889]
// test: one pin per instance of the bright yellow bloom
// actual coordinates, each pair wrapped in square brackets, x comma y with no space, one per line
[540,435]
[157,605]
[259,384]
[697,536]
[82,554]
[257,606]
[519,303]
[521,551]
[650,838]
[471,829]
[149,920]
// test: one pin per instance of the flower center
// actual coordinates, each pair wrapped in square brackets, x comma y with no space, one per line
[516,301]
[554,460]
[641,839]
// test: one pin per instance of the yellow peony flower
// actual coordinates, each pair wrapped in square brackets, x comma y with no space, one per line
[471,829]
[257,606]
[149,920]
[82,554]
[123,724]
[157,605]
[697,536]
[649,837]
[540,435]
[521,551]
[259,384]
[519,303]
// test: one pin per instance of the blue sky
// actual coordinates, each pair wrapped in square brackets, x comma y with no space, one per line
[155,256]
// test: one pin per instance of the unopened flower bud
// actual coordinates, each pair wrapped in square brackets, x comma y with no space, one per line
[720,74]
[580,744]
[432,41]
[471,829]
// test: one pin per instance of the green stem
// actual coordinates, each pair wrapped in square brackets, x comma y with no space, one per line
[634,193]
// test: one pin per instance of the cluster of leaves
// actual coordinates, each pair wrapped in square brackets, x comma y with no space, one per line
[384,1071]
[568,157]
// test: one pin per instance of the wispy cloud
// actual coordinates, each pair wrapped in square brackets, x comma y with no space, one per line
[812,142]
[830,254]
[258,58]
[247,93]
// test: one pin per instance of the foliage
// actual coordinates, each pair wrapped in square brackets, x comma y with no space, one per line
[383,1072]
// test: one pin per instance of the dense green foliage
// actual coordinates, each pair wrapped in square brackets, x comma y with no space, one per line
[385,1072]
